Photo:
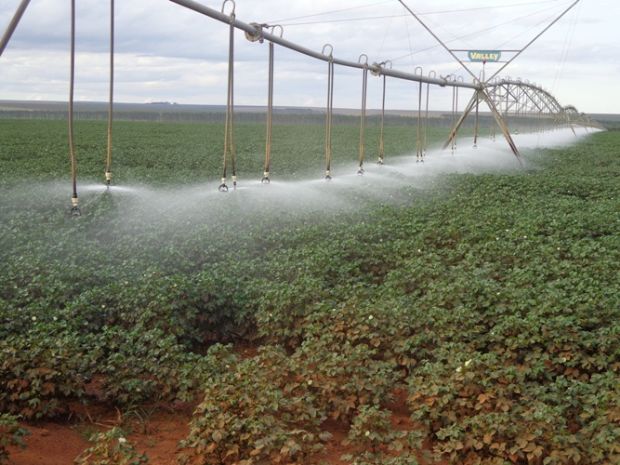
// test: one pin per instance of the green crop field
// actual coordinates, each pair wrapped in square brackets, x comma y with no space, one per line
[484,307]
[173,153]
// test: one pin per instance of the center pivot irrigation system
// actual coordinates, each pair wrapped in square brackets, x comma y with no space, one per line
[503,97]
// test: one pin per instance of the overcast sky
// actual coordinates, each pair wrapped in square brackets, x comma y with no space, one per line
[168,53]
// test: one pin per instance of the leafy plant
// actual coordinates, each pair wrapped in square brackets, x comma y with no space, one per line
[111,448]
[234,425]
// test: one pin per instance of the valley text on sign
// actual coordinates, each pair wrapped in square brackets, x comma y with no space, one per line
[484,55]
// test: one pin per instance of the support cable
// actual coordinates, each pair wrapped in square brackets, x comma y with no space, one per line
[13,25]
[437,38]
[286,22]
[108,165]
[229,144]
[324,13]
[75,208]
[329,112]
[534,39]
[478,33]
[362,145]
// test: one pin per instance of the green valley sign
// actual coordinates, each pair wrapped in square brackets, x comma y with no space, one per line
[484,55]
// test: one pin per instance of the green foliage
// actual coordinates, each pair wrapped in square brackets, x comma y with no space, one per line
[161,369]
[111,448]
[257,410]
[11,434]
[374,436]
[39,370]
[371,428]
[493,297]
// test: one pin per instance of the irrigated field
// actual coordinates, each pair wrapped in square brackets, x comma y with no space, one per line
[477,319]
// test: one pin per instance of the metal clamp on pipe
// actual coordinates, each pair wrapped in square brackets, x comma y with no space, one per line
[257,36]
[376,69]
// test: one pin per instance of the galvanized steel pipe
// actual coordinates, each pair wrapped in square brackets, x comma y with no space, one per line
[252,30]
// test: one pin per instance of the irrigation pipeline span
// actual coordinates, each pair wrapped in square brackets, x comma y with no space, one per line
[259,32]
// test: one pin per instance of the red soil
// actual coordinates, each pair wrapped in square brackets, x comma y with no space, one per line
[158,435]
[60,444]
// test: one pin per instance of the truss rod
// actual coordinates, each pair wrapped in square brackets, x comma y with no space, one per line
[199,8]
[438,39]
[524,85]
[13,25]
[534,39]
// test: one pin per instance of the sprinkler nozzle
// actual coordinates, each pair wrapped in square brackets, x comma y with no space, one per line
[380,161]
[328,175]
[234,180]
[223,187]
[108,178]
[75,208]
[265,179]
[360,171]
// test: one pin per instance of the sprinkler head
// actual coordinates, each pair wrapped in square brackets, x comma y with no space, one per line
[380,161]
[328,175]
[75,208]
[360,171]
[234,180]
[265,179]
[223,187]
[108,178]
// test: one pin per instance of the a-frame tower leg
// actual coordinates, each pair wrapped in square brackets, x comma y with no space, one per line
[481,94]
